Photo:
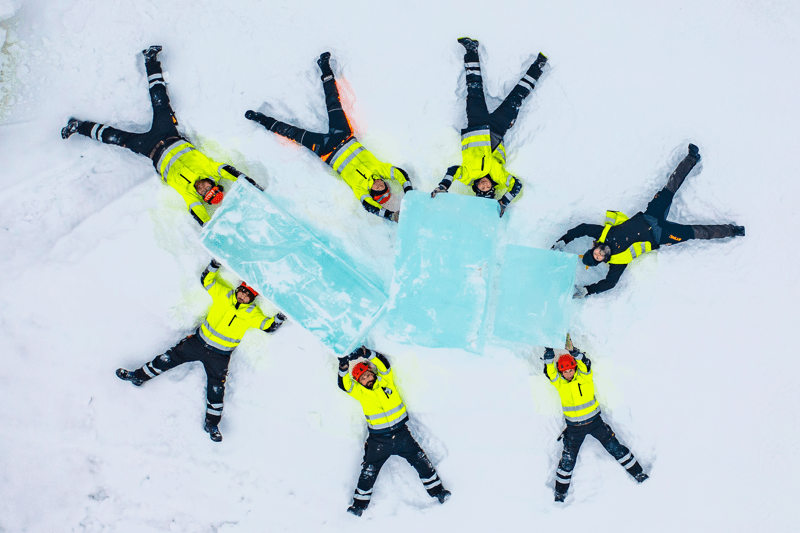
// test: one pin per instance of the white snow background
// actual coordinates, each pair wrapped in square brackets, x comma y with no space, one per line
[694,352]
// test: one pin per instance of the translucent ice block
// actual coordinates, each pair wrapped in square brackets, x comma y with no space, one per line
[291,267]
[534,303]
[444,255]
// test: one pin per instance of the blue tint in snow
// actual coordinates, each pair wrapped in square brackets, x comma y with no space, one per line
[445,251]
[534,304]
[291,267]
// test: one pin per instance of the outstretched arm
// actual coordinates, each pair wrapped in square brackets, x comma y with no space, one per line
[401,176]
[610,281]
[447,181]
[234,174]
[582,230]
[508,197]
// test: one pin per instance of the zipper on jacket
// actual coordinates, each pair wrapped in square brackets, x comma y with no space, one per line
[232,319]
[187,180]
[482,159]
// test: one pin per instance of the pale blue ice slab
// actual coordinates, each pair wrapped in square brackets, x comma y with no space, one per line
[534,304]
[445,250]
[291,267]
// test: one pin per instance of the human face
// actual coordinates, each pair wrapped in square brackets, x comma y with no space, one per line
[202,187]
[367,379]
[484,184]
[243,296]
[568,374]
[598,254]
[379,185]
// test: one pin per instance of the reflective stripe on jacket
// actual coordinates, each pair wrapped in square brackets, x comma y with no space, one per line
[181,165]
[359,169]
[382,405]
[227,320]
[577,396]
[615,218]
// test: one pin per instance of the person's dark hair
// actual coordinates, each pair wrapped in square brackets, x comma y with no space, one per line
[209,181]
[588,257]
[484,194]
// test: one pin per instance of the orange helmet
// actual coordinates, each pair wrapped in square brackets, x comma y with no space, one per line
[566,362]
[359,370]
[248,288]
[214,195]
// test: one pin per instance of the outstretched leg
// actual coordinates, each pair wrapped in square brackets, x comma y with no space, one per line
[216,366]
[408,448]
[164,123]
[672,233]
[623,455]
[338,125]
[377,450]
[506,113]
[660,204]
[573,439]
[477,113]
[183,352]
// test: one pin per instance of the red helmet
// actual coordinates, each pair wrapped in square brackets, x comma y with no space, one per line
[566,362]
[359,370]
[214,195]
[247,287]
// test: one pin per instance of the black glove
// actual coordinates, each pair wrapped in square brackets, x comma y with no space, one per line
[214,263]
[358,352]
[277,321]
[407,186]
[438,190]
[252,182]
[344,364]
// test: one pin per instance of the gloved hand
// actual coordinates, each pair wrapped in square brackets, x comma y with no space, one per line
[501,207]
[407,187]
[277,321]
[580,292]
[252,182]
[438,190]
[344,364]
[559,245]
[250,114]
[358,352]
[395,216]
[214,263]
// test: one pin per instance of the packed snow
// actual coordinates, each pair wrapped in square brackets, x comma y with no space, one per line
[693,352]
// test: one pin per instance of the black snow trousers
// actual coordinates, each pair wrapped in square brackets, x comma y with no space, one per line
[215,362]
[378,448]
[501,119]
[574,436]
[322,144]
[164,122]
[666,232]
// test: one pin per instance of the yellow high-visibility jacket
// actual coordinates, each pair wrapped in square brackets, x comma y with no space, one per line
[577,396]
[227,320]
[382,405]
[181,165]
[479,160]
[359,169]
[615,218]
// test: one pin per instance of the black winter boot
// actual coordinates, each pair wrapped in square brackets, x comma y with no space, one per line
[127,375]
[324,63]
[560,496]
[535,70]
[261,118]
[151,54]
[443,495]
[470,44]
[358,507]
[70,128]
[213,431]
[694,151]
[640,477]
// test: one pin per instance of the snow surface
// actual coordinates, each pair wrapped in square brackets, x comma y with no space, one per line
[694,351]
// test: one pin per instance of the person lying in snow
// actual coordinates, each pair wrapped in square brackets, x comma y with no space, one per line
[361,170]
[232,313]
[571,375]
[180,165]
[372,384]
[623,239]
[483,155]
